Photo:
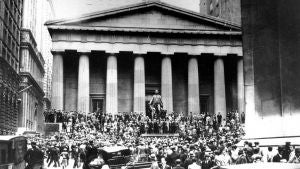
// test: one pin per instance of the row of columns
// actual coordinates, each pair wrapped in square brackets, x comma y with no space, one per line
[139,84]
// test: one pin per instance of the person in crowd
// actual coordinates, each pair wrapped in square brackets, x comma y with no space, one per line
[194,165]
[34,156]
[154,164]
[241,158]
[207,162]
[269,155]
[279,156]
[189,160]
[296,157]
[184,136]
[243,118]
[91,153]
[65,158]
[219,118]
[76,155]
[287,151]
[178,164]
[164,164]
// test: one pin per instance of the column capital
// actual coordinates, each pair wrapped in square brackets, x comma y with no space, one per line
[84,51]
[219,55]
[112,54]
[168,55]
[57,51]
[138,55]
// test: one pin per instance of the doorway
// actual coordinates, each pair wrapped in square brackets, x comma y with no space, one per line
[204,103]
[97,105]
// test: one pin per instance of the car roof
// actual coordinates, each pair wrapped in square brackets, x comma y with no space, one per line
[114,149]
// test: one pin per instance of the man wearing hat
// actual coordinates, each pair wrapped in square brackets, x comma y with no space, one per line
[207,163]
[178,164]
[189,160]
[34,156]
[91,153]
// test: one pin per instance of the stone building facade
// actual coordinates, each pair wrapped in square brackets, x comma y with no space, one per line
[226,9]
[45,12]
[32,73]
[31,70]
[271,58]
[10,28]
[114,60]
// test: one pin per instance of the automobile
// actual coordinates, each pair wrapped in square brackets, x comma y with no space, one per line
[114,157]
[12,151]
[261,166]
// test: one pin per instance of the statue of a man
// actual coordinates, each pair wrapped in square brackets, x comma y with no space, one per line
[156,102]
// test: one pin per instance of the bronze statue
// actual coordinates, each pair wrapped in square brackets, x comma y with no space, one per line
[156,104]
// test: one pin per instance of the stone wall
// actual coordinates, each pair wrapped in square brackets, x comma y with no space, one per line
[271,59]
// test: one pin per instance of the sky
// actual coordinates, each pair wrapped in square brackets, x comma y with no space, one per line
[73,8]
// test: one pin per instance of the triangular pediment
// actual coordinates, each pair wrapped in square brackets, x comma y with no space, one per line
[149,15]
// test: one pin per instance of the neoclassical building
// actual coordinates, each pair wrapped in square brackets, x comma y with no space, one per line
[114,60]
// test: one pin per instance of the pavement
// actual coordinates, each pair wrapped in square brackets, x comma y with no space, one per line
[70,166]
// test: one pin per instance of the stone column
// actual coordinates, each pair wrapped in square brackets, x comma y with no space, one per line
[139,85]
[240,85]
[112,85]
[24,108]
[83,101]
[219,88]
[193,87]
[166,84]
[58,82]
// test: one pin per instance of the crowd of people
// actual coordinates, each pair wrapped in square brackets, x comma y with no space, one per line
[139,123]
[203,140]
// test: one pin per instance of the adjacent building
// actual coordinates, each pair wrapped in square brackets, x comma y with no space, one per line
[271,58]
[114,60]
[35,47]
[226,9]
[10,30]
[44,44]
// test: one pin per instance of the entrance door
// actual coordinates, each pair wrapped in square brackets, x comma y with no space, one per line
[97,105]
[204,103]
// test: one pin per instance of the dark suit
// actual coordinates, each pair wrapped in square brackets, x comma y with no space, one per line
[187,162]
[34,156]
[277,158]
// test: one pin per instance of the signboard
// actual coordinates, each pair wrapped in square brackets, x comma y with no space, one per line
[52,128]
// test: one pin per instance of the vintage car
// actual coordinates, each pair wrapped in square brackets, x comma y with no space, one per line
[117,157]
[114,157]
[12,152]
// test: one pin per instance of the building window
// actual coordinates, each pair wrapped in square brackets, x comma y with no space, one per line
[13,48]
[12,63]
[6,16]
[4,35]
[3,52]
[9,42]
[8,58]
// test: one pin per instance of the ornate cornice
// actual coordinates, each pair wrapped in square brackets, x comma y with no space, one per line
[31,80]
[28,41]
[142,30]
[144,5]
